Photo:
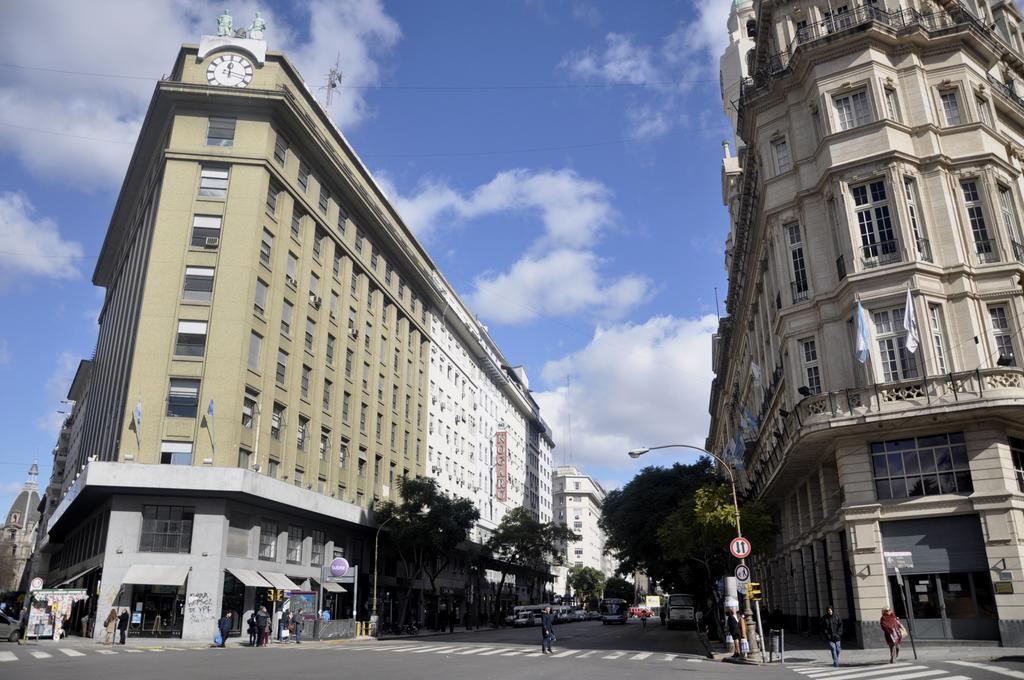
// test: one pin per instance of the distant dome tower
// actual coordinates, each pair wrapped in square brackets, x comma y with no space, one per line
[19,532]
[733,63]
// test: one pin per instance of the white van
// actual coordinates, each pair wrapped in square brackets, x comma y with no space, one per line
[680,610]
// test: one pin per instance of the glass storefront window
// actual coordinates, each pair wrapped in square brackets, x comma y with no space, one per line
[925,466]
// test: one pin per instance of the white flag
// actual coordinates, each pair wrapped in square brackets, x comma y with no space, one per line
[910,323]
[863,334]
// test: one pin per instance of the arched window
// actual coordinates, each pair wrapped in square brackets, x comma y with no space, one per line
[751,28]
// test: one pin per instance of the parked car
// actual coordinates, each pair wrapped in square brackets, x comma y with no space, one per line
[579,615]
[593,615]
[9,629]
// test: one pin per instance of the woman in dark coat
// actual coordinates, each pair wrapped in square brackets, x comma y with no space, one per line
[893,631]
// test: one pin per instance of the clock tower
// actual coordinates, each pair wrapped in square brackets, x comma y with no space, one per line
[238,53]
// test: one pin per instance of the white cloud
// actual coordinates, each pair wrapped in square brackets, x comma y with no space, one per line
[56,390]
[94,120]
[31,246]
[560,273]
[558,283]
[632,385]
[5,352]
[663,73]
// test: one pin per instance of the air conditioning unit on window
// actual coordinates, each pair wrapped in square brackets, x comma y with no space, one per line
[212,241]
[353,333]
[290,281]
[315,300]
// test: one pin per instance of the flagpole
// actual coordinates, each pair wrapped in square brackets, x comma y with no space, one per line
[209,423]
[137,417]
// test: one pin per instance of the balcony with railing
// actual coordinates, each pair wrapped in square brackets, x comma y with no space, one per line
[986,251]
[857,20]
[799,290]
[880,253]
[782,431]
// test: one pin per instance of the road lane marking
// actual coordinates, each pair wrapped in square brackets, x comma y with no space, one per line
[105,651]
[401,648]
[819,672]
[614,655]
[988,667]
[40,655]
[584,655]
[133,651]
[535,654]
[452,650]
[669,657]
[499,650]
[640,657]
[475,650]
[431,648]
[569,652]
[7,656]
[514,652]
[863,672]
[69,652]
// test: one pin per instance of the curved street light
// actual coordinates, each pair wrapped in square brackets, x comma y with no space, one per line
[748,615]
[376,555]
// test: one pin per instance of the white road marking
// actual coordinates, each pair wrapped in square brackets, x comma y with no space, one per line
[40,655]
[452,650]
[862,672]
[689,660]
[499,650]
[640,657]
[105,651]
[820,672]
[535,654]
[614,655]
[69,652]
[7,656]
[569,652]
[134,651]
[514,652]
[584,655]
[431,648]
[908,676]
[401,648]
[989,667]
[475,650]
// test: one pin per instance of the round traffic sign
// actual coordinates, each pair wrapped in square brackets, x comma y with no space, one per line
[37,584]
[742,573]
[740,547]
[339,566]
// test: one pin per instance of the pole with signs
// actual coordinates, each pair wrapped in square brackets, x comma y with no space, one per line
[905,560]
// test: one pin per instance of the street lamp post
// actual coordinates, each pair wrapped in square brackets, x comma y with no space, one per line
[748,615]
[376,572]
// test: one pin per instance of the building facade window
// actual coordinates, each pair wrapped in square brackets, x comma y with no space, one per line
[892,106]
[206,232]
[1002,335]
[294,544]
[287,312]
[273,193]
[1008,209]
[277,421]
[268,541]
[183,398]
[213,181]
[220,132]
[296,224]
[303,174]
[329,350]
[191,339]
[310,336]
[166,529]
[302,433]
[878,244]
[307,374]
[328,387]
[324,201]
[921,466]
[852,110]
[266,248]
[897,363]
[812,373]
[983,114]
[259,304]
[1017,454]
[938,337]
[175,453]
[798,267]
[255,350]
[281,373]
[984,246]
[780,154]
[951,107]
[250,405]
[281,150]
[198,284]
[318,543]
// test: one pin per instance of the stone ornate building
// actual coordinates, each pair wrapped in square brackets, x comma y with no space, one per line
[879,151]
[19,533]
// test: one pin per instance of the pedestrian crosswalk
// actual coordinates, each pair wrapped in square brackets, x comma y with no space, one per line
[522,652]
[897,671]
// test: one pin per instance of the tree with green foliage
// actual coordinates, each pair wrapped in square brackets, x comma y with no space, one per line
[521,543]
[586,583]
[424,528]
[631,515]
[620,588]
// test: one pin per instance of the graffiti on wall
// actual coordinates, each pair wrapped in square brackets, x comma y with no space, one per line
[199,607]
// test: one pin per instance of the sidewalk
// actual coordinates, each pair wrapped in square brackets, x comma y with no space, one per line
[804,649]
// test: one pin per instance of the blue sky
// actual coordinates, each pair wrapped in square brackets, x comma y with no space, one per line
[560,161]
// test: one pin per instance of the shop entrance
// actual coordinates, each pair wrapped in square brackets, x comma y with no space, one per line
[949,606]
[157,611]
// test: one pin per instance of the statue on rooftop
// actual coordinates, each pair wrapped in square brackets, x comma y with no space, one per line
[224,24]
[257,27]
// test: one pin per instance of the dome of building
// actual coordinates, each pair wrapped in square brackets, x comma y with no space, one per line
[24,510]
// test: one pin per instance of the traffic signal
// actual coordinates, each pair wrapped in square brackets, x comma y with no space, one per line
[754,591]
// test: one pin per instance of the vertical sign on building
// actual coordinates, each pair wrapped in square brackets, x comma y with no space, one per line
[501,466]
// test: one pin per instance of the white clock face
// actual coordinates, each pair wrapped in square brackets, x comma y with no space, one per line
[230,70]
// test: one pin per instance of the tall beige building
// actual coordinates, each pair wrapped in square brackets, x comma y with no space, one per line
[880,151]
[261,373]
[577,500]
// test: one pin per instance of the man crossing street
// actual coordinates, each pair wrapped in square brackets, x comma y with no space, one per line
[547,631]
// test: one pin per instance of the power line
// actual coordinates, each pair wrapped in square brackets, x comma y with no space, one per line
[411,88]
[66,134]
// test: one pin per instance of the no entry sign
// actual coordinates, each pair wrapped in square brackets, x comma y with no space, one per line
[740,547]
[742,573]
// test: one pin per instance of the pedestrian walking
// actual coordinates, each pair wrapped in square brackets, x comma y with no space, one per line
[735,627]
[832,631]
[262,627]
[297,626]
[110,625]
[224,627]
[284,626]
[23,623]
[893,631]
[250,625]
[86,620]
[643,617]
[547,631]
[451,620]
[122,624]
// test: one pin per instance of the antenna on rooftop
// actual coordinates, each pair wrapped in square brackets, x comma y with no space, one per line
[333,81]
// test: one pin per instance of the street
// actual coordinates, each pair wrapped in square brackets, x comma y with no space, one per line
[585,649]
